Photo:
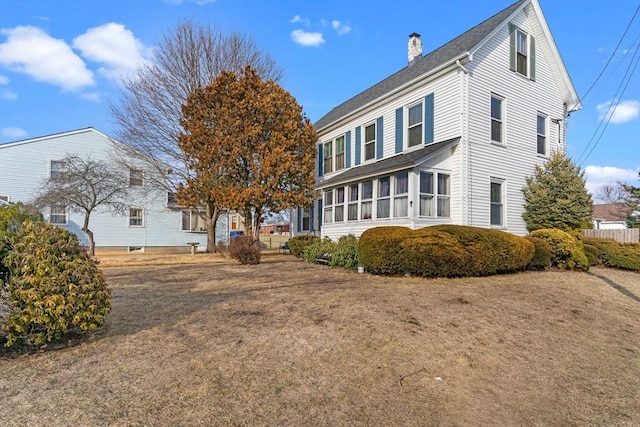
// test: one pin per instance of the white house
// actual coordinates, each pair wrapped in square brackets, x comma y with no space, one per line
[450,137]
[611,216]
[153,221]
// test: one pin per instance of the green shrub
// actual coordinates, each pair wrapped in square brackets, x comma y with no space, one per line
[434,253]
[318,249]
[379,249]
[13,216]
[625,256]
[591,252]
[566,249]
[345,253]
[491,251]
[542,256]
[298,243]
[245,249]
[54,287]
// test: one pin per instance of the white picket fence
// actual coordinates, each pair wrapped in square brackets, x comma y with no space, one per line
[627,235]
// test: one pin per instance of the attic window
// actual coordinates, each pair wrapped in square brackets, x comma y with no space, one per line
[522,52]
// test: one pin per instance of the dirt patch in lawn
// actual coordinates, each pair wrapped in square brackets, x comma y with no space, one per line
[287,343]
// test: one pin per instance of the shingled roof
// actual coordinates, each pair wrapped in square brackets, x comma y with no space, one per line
[448,52]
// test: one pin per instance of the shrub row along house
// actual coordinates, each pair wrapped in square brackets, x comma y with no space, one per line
[153,220]
[450,137]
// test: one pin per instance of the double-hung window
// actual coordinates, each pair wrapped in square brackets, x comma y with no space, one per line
[306,219]
[328,157]
[58,215]
[370,142]
[444,195]
[497,113]
[541,125]
[339,142]
[338,210]
[497,206]
[328,206]
[192,220]
[522,53]
[56,169]
[135,178]
[384,201]
[136,217]
[400,195]
[414,125]
[426,194]
[367,200]
[352,214]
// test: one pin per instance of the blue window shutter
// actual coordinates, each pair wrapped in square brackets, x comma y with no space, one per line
[320,160]
[532,58]
[428,118]
[311,224]
[347,149]
[399,130]
[319,214]
[512,47]
[379,136]
[299,219]
[358,145]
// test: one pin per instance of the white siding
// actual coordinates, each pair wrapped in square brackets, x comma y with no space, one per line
[24,166]
[523,98]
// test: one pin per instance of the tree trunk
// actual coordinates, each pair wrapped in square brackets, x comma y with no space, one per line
[212,213]
[252,223]
[85,228]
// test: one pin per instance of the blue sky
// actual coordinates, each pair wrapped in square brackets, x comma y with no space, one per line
[60,60]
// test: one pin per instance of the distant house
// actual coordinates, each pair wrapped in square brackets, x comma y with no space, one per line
[611,216]
[153,222]
[450,137]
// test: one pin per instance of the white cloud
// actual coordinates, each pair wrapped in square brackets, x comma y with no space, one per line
[597,176]
[115,47]
[4,80]
[8,94]
[13,132]
[625,111]
[31,51]
[300,19]
[340,27]
[304,38]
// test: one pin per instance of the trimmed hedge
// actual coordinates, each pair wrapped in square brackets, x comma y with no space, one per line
[434,253]
[567,251]
[298,243]
[625,256]
[542,256]
[380,251]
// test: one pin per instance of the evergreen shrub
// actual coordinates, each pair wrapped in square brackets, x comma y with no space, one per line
[298,243]
[54,288]
[345,253]
[380,251]
[566,250]
[542,255]
[317,249]
[434,253]
[245,249]
[625,256]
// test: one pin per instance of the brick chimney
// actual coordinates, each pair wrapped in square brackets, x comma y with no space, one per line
[414,48]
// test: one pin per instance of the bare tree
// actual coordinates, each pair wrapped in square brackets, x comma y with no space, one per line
[85,185]
[611,193]
[188,57]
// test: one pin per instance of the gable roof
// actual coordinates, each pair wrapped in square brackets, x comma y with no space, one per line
[51,136]
[449,52]
[390,164]
[611,212]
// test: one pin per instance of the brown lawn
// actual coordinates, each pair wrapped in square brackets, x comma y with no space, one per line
[290,344]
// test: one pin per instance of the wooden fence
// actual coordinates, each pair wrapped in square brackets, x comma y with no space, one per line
[626,235]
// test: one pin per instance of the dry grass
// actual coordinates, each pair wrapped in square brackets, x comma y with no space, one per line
[287,343]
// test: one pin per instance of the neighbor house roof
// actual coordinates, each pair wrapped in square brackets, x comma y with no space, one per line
[391,164]
[449,52]
[612,211]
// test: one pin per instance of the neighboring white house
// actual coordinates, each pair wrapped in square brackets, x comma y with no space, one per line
[153,221]
[450,137]
[611,216]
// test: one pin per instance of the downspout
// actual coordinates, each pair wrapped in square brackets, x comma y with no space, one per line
[465,155]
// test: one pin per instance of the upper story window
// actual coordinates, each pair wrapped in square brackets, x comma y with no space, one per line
[414,125]
[328,157]
[541,130]
[339,141]
[497,113]
[136,217]
[370,142]
[56,169]
[135,178]
[58,215]
[522,52]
